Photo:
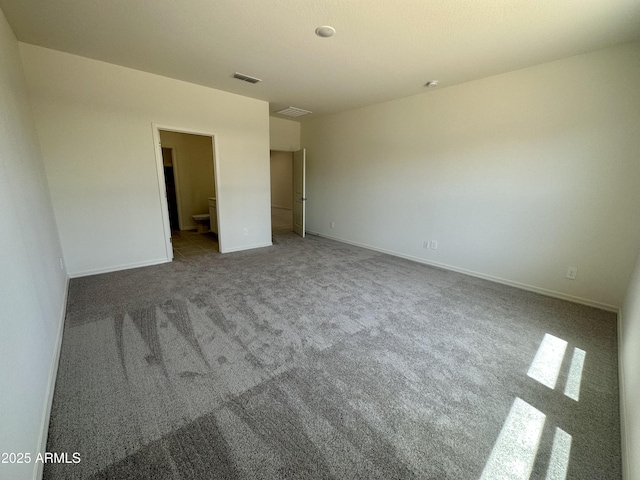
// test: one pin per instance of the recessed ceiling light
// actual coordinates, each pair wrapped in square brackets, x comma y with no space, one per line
[325,31]
[431,84]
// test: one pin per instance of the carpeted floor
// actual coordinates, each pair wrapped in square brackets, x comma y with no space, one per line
[316,359]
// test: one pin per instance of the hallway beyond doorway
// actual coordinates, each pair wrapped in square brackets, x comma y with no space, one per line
[281,220]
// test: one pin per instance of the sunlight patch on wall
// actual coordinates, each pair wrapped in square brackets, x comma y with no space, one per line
[548,360]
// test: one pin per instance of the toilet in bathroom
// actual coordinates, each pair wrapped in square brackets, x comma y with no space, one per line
[202,220]
[207,221]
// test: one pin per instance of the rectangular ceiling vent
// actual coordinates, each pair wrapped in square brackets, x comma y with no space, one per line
[294,112]
[246,78]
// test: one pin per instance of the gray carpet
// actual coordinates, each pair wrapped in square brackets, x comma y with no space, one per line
[316,359]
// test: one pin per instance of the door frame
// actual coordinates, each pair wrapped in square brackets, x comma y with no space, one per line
[162,188]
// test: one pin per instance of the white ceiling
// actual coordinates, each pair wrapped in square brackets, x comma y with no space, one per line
[382,49]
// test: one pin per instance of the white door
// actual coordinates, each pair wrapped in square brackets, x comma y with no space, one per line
[299,198]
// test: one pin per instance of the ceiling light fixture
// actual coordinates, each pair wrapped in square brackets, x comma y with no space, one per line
[432,84]
[294,112]
[325,31]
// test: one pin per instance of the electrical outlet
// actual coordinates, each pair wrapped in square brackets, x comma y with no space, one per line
[245,231]
[572,272]
[333,224]
[425,244]
[434,244]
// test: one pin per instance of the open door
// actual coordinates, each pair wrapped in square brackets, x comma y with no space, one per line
[299,163]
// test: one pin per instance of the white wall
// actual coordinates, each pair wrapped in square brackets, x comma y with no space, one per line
[517,176]
[94,121]
[629,359]
[32,283]
[194,159]
[284,134]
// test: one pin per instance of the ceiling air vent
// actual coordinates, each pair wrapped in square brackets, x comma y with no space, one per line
[246,78]
[293,112]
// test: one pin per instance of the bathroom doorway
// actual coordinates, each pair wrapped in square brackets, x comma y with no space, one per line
[187,175]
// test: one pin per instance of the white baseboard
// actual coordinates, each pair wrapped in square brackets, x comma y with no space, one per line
[503,281]
[53,373]
[246,247]
[97,271]
[624,444]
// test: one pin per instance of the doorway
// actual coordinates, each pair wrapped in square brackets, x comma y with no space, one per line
[187,167]
[288,191]
[281,191]
[170,183]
